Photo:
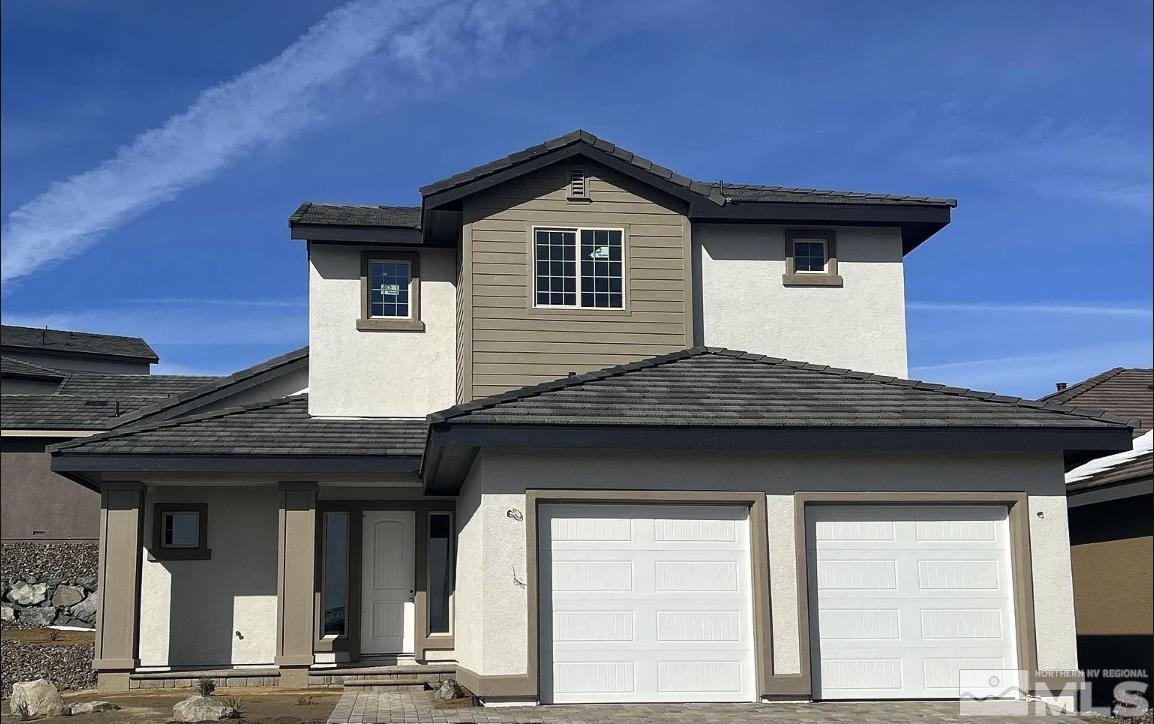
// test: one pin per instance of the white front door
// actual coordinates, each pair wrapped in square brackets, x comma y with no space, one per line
[908,601]
[645,603]
[387,570]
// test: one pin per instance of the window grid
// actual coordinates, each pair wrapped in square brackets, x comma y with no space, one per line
[809,256]
[600,282]
[389,288]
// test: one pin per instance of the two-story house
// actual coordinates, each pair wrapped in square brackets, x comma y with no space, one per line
[528,455]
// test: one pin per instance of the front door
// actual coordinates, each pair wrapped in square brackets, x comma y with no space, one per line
[387,570]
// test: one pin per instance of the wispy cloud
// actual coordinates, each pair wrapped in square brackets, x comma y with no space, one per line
[423,39]
[1056,309]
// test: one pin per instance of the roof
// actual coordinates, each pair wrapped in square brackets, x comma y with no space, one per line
[1124,392]
[116,386]
[18,368]
[219,387]
[707,386]
[63,341]
[280,427]
[1123,467]
[396,217]
[714,191]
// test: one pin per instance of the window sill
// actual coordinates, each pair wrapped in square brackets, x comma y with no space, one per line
[812,280]
[179,554]
[579,199]
[390,325]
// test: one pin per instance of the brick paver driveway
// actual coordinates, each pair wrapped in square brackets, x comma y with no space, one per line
[412,705]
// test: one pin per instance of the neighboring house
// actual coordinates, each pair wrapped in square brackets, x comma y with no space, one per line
[1111,501]
[517,460]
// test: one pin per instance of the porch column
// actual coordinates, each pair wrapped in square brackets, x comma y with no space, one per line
[118,594]
[296,578]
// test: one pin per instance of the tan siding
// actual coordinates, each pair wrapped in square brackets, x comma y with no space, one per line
[512,344]
[464,351]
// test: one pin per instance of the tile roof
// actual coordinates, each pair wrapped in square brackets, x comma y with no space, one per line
[1124,392]
[277,427]
[114,386]
[398,217]
[58,340]
[10,367]
[715,191]
[718,387]
[1123,467]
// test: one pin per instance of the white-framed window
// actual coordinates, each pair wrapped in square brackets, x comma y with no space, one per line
[582,268]
[810,256]
[389,283]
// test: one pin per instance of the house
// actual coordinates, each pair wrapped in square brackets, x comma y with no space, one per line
[528,455]
[1111,511]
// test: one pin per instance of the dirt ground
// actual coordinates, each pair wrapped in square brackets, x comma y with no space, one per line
[47,636]
[269,706]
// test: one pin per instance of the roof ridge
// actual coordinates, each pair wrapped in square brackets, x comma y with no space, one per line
[33,365]
[833,192]
[1084,386]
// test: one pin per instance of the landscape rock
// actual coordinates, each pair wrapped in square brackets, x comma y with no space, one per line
[39,698]
[88,583]
[38,616]
[203,708]
[450,689]
[7,612]
[63,620]
[92,707]
[85,610]
[28,594]
[66,596]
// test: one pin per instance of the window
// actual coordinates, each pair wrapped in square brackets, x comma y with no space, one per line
[180,532]
[390,292]
[335,593]
[811,259]
[440,572]
[594,283]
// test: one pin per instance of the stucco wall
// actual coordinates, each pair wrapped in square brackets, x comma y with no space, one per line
[191,612]
[290,384]
[378,373]
[36,504]
[503,477]
[742,303]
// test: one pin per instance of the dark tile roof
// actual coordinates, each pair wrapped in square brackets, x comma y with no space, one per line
[717,387]
[715,191]
[1123,392]
[215,386]
[58,340]
[276,427]
[63,412]
[113,386]
[397,217]
[17,368]
[1138,468]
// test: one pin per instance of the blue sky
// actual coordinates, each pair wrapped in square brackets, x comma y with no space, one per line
[1035,115]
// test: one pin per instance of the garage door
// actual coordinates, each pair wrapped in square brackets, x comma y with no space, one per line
[904,599]
[645,603]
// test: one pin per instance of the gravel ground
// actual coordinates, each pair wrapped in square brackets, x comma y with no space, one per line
[68,665]
[19,560]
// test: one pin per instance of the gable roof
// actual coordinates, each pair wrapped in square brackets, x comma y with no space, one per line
[66,342]
[396,217]
[708,386]
[1123,467]
[10,367]
[90,400]
[1124,392]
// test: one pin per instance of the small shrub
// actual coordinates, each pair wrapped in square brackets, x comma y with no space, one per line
[205,686]
[22,712]
[235,704]
[306,700]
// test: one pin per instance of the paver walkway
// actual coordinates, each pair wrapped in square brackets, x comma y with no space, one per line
[412,705]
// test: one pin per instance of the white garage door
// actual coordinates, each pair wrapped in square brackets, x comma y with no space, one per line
[645,603]
[903,599]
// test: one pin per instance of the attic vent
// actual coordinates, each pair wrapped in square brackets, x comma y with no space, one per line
[577,191]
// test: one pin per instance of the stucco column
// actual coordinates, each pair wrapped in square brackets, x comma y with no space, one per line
[296,578]
[118,598]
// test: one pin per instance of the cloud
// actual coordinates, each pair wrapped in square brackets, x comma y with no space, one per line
[267,104]
[194,301]
[1058,309]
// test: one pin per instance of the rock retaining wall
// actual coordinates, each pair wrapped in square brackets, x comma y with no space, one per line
[46,584]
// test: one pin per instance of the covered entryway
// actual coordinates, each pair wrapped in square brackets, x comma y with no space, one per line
[645,603]
[904,598]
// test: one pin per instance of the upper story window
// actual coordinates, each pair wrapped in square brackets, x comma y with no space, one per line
[811,259]
[579,268]
[390,292]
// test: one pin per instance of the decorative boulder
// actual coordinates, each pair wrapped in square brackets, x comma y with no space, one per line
[66,596]
[28,594]
[450,689]
[7,613]
[88,583]
[85,610]
[38,616]
[92,707]
[38,698]
[203,708]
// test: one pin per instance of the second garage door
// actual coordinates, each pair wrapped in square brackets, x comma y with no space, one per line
[645,603]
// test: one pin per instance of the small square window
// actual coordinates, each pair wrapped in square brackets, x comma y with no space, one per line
[180,529]
[811,259]
[179,532]
[809,255]
[390,292]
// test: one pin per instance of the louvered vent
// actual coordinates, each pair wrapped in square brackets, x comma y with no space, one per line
[577,184]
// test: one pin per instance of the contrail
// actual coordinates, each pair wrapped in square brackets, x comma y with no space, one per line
[1091,309]
[262,106]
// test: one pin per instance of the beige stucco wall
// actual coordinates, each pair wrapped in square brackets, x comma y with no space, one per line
[492,605]
[378,373]
[192,611]
[744,305]
[290,384]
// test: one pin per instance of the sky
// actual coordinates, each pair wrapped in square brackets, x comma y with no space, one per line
[151,153]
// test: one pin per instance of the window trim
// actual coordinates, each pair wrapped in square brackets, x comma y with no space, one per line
[161,552]
[576,229]
[412,323]
[452,564]
[794,278]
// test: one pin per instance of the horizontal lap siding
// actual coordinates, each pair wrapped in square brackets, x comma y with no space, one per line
[508,344]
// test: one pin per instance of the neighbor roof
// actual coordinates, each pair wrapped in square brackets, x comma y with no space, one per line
[10,367]
[397,217]
[707,386]
[59,340]
[1124,392]
[281,427]
[1123,467]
